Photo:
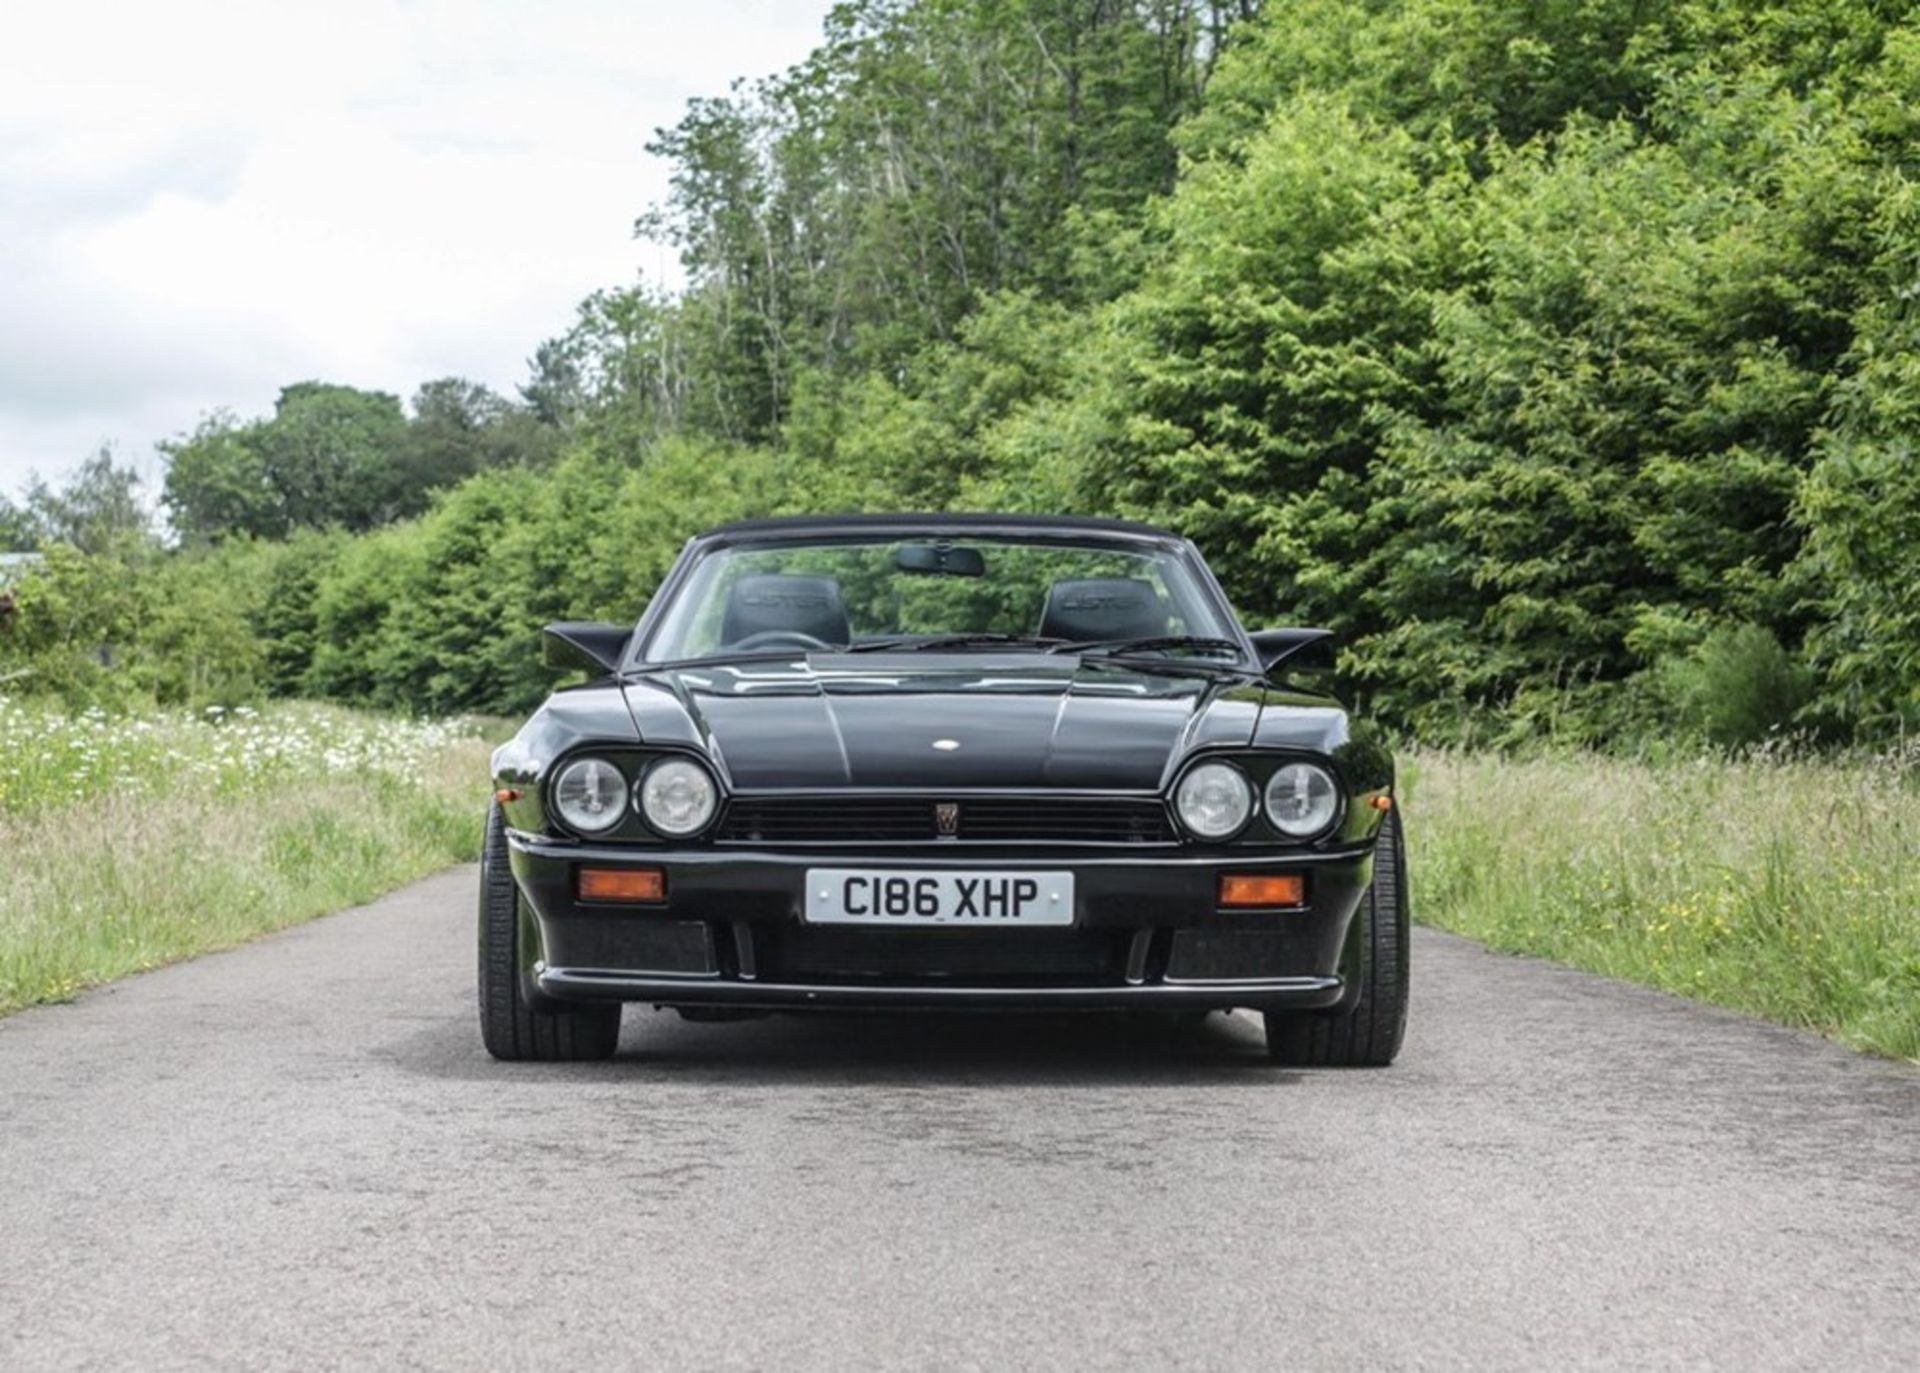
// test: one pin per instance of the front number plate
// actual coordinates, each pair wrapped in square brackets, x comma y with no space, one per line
[889,896]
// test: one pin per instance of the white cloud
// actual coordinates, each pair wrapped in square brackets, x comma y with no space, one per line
[202,202]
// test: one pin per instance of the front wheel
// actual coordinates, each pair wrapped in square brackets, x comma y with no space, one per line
[1369,1034]
[511,1029]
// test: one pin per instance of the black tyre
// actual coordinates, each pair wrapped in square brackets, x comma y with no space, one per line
[509,1027]
[1369,1034]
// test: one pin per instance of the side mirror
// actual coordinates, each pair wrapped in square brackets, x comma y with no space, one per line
[1300,648]
[594,648]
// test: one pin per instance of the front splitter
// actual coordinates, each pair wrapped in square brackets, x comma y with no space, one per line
[591,984]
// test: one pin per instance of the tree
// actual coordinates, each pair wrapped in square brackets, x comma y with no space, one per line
[217,483]
[555,391]
[97,510]
[1860,504]
[18,533]
[1519,418]
[332,456]
[843,215]
[460,427]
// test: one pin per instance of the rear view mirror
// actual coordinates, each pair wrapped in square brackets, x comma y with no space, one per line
[940,560]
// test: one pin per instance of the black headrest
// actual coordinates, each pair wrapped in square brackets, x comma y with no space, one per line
[1103,608]
[773,600]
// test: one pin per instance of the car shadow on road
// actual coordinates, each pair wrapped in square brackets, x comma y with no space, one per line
[895,1048]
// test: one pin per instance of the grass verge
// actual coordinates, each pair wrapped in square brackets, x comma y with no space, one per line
[130,842]
[1785,888]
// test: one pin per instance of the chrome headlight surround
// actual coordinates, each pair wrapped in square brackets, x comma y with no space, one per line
[1301,800]
[589,795]
[1213,800]
[677,797]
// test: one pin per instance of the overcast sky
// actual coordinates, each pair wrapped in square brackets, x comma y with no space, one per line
[201,202]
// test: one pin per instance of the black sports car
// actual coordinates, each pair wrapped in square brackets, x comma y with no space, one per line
[945,761]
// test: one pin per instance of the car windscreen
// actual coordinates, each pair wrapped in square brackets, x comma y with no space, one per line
[848,594]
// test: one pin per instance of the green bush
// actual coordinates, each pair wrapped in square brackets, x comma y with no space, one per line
[1738,686]
[75,617]
[120,628]
[197,642]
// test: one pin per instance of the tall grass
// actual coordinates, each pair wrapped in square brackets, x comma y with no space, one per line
[1788,888]
[131,841]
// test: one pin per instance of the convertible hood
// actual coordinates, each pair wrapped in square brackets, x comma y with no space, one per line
[958,721]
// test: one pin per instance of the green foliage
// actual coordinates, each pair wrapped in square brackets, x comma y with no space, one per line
[444,614]
[1485,404]
[1561,356]
[334,456]
[97,509]
[327,455]
[918,439]
[1737,686]
[218,483]
[73,616]
[116,629]
[458,428]
[929,154]
[18,530]
[1861,502]
[288,577]
[1475,71]
[197,642]
[351,606]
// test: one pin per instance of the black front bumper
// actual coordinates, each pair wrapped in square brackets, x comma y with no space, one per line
[1147,934]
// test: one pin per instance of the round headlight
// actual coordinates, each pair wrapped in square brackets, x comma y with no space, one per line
[678,797]
[1214,800]
[590,795]
[1301,800]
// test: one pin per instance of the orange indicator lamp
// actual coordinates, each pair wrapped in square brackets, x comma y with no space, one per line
[1262,891]
[626,885]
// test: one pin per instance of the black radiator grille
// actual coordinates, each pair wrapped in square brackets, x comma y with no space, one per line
[910,819]
[808,953]
[1092,822]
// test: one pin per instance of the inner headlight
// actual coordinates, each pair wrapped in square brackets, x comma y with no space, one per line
[678,797]
[1214,800]
[1301,800]
[590,795]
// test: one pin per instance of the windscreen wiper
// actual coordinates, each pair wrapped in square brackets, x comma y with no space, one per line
[1159,643]
[721,658]
[952,641]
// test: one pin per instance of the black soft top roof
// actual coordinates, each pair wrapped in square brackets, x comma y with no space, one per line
[973,523]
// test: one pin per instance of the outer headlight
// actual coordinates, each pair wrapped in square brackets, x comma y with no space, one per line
[1214,800]
[678,797]
[590,795]
[1301,800]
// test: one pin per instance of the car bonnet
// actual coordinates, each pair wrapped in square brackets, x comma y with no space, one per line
[975,721]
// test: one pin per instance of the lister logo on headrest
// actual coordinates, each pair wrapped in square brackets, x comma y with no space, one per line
[788,600]
[1108,602]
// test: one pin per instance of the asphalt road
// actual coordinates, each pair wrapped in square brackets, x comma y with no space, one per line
[296,1156]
